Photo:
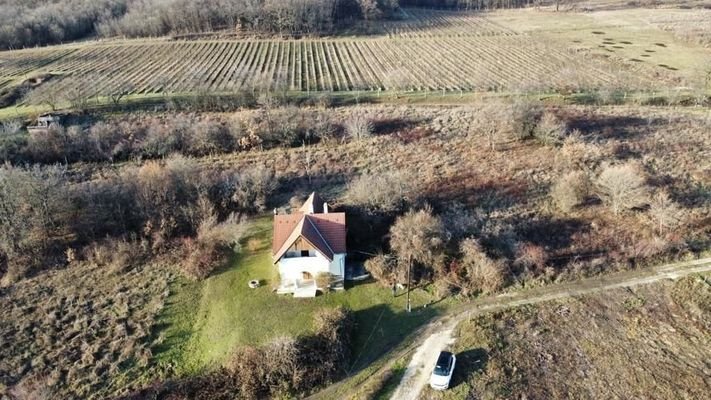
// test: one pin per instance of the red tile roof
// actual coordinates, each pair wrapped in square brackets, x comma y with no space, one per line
[325,232]
[314,202]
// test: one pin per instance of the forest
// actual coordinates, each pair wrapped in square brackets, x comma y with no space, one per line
[43,22]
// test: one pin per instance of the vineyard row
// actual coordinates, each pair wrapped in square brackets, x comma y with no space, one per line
[487,63]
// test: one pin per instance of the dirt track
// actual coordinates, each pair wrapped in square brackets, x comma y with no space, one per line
[440,332]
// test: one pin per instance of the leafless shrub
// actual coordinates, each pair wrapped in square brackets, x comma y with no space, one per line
[570,190]
[324,280]
[117,255]
[550,130]
[49,145]
[384,269]
[577,154]
[247,366]
[10,127]
[531,257]
[282,367]
[386,191]
[525,115]
[621,187]
[212,246]
[482,274]
[359,126]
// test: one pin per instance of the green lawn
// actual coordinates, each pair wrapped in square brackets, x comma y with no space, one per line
[203,322]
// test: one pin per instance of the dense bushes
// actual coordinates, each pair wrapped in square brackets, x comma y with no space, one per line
[283,368]
[43,213]
[387,191]
[287,366]
[157,137]
[423,243]
[473,4]
[42,22]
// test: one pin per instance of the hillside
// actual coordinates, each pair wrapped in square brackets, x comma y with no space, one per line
[475,153]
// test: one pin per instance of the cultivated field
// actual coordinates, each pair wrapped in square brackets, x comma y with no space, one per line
[427,50]
[489,63]
[431,23]
[648,342]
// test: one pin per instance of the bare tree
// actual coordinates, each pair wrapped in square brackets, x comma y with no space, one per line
[45,94]
[116,94]
[665,213]
[621,187]
[418,236]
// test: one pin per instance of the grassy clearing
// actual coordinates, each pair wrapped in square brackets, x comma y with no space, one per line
[629,37]
[646,342]
[392,381]
[226,313]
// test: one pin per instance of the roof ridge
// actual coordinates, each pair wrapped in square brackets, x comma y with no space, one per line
[319,233]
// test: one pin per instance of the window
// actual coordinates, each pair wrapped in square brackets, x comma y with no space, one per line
[304,253]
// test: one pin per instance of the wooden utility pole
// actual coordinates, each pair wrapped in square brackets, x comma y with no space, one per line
[409,268]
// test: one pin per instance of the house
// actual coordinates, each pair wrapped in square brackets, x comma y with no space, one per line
[306,243]
[44,122]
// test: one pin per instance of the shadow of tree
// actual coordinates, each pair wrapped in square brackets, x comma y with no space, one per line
[379,329]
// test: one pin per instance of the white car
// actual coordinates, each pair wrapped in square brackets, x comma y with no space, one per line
[443,370]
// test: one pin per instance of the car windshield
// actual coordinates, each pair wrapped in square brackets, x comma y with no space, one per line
[442,367]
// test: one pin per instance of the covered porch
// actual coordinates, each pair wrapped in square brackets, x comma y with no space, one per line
[298,287]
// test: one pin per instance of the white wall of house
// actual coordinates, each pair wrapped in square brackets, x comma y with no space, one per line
[291,269]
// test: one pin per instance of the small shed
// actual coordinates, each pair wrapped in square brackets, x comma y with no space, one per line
[44,121]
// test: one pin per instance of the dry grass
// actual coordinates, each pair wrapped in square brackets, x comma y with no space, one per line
[84,332]
[510,187]
[649,342]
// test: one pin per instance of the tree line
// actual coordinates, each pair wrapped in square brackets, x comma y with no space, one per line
[474,4]
[44,22]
